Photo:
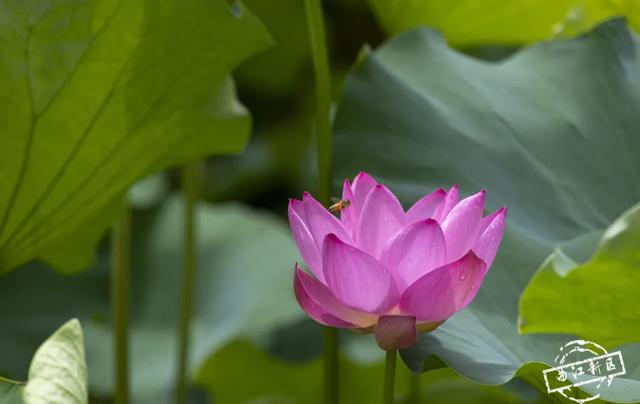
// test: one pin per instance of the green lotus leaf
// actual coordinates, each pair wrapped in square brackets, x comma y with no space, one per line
[553,137]
[97,94]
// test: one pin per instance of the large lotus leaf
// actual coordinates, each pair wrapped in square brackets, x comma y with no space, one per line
[76,252]
[240,373]
[97,93]
[551,132]
[597,300]
[489,22]
[243,285]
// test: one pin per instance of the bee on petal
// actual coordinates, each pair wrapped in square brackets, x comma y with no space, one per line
[339,205]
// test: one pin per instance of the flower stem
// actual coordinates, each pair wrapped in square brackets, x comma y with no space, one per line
[323,96]
[331,366]
[120,264]
[389,376]
[415,392]
[323,144]
[189,180]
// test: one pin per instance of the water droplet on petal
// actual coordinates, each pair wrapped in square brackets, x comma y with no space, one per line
[463,276]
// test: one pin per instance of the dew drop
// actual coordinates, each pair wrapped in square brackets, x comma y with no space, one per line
[236,9]
[463,276]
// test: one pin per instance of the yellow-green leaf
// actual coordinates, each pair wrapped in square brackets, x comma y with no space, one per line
[597,300]
[488,22]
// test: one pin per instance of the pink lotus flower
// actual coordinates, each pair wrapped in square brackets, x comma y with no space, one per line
[379,268]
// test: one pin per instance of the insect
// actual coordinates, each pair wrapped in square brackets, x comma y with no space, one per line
[340,205]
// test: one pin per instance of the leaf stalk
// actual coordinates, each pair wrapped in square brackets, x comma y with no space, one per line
[120,294]
[190,181]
